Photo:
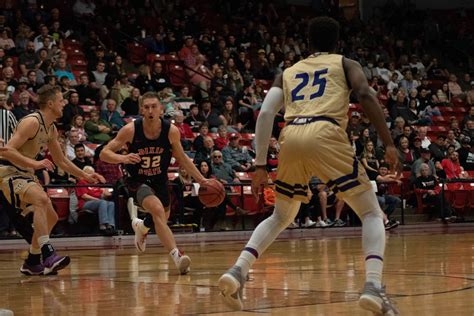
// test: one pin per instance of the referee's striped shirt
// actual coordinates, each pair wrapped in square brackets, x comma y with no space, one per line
[8,123]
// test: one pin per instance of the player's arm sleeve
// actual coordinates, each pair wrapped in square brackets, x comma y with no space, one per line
[272,103]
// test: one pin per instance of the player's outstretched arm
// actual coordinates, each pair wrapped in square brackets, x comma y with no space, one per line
[180,155]
[27,129]
[372,109]
[124,136]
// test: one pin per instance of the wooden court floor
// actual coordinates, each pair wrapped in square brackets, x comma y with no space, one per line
[430,274]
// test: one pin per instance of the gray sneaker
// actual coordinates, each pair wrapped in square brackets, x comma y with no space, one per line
[375,300]
[329,222]
[339,223]
[231,285]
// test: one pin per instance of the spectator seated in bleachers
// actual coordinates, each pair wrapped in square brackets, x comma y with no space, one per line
[194,118]
[24,106]
[96,199]
[121,89]
[71,109]
[73,140]
[452,167]
[77,124]
[427,185]
[198,143]
[466,154]
[111,115]
[416,166]
[98,131]
[81,160]
[130,106]
[185,130]
[237,156]
[387,202]
[205,152]
[87,95]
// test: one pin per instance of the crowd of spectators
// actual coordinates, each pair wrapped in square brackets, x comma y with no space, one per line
[227,54]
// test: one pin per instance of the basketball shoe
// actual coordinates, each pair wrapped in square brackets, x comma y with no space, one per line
[54,263]
[231,285]
[29,269]
[140,235]
[183,264]
[375,300]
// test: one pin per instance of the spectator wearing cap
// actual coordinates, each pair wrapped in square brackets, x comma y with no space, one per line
[23,87]
[438,149]
[212,116]
[466,153]
[424,159]
[353,128]
[236,155]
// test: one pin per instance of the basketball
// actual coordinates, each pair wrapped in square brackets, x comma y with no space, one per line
[211,193]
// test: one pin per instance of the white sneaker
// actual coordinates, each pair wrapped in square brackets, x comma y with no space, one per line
[293,225]
[140,236]
[183,264]
[321,224]
[309,223]
[132,208]
[231,285]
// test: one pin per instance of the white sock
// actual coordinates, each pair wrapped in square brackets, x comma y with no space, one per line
[43,240]
[366,206]
[373,242]
[141,225]
[266,232]
[175,254]
[35,251]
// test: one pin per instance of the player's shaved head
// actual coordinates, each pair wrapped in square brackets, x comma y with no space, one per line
[323,34]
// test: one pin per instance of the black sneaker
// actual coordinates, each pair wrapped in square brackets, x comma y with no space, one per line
[391,224]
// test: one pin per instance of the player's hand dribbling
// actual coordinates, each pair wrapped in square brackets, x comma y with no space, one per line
[391,157]
[259,181]
[131,159]
[43,164]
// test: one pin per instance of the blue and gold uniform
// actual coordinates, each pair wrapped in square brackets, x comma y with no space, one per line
[314,141]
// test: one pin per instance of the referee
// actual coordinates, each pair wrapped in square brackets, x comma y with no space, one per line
[8,121]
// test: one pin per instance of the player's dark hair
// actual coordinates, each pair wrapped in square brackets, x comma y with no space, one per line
[323,34]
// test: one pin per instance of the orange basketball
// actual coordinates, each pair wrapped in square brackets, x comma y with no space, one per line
[211,193]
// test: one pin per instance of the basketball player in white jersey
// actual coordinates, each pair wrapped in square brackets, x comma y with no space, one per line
[21,188]
[315,93]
